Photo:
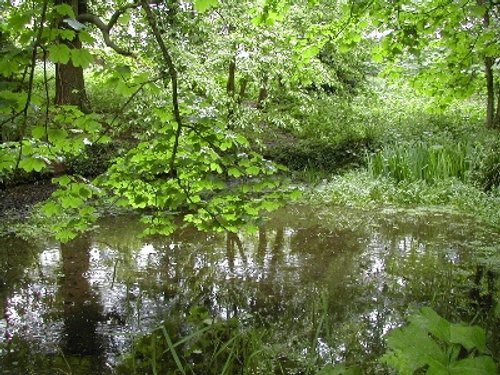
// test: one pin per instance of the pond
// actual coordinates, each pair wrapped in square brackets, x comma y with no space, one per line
[324,283]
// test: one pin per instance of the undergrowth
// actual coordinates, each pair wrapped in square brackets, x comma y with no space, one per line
[360,189]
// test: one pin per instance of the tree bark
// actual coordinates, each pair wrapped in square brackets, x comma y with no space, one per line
[490,92]
[70,82]
[488,71]
[496,123]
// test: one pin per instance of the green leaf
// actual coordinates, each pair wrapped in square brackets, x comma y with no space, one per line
[124,19]
[474,366]
[430,321]
[65,235]
[38,132]
[67,34]
[296,194]
[65,10]
[70,201]
[253,170]
[412,348]
[85,37]
[478,10]
[59,53]
[234,172]
[310,52]
[32,164]
[81,57]
[63,180]
[203,5]
[50,209]
[468,337]
[18,21]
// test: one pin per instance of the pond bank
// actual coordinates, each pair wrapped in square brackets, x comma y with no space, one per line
[17,202]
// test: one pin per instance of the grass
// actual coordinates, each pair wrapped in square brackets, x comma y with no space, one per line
[423,161]
[216,346]
[362,190]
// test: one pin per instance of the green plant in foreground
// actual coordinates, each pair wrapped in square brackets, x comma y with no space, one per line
[432,344]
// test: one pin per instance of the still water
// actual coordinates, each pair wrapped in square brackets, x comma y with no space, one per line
[76,308]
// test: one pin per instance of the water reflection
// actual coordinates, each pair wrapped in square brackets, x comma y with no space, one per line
[81,310]
[79,305]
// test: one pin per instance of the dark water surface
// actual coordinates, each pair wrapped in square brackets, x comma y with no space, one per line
[75,308]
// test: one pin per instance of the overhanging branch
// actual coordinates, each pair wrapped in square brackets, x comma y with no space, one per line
[105,28]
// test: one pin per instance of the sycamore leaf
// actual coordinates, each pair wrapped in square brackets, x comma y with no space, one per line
[203,5]
[81,57]
[59,53]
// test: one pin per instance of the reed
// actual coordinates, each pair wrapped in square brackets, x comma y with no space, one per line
[422,161]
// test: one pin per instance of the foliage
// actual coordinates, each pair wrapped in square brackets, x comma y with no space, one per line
[210,345]
[359,189]
[432,343]
[421,161]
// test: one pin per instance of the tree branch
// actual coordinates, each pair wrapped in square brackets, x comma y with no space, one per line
[173,78]
[106,28]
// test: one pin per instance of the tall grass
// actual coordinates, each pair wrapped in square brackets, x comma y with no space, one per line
[422,161]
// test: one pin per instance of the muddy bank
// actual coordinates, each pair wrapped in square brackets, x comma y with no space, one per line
[17,202]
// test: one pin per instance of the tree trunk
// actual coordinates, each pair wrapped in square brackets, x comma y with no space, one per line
[70,83]
[488,71]
[490,92]
[230,87]
[496,123]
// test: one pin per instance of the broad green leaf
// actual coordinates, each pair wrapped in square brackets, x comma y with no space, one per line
[430,321]
[65,10]
[19,20]
[59,53]
[67,34]
[71,201]
[32,164]
[203,5]
[63,180]
[468,337]
[296,194]
[81,57]
[38,132]
[234,172]
[474,366]
[124,19]
[310,52]
[253,170]
[478,10]
[412,348]
[50,209]
[65,235]
[8,67]
[85,37]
